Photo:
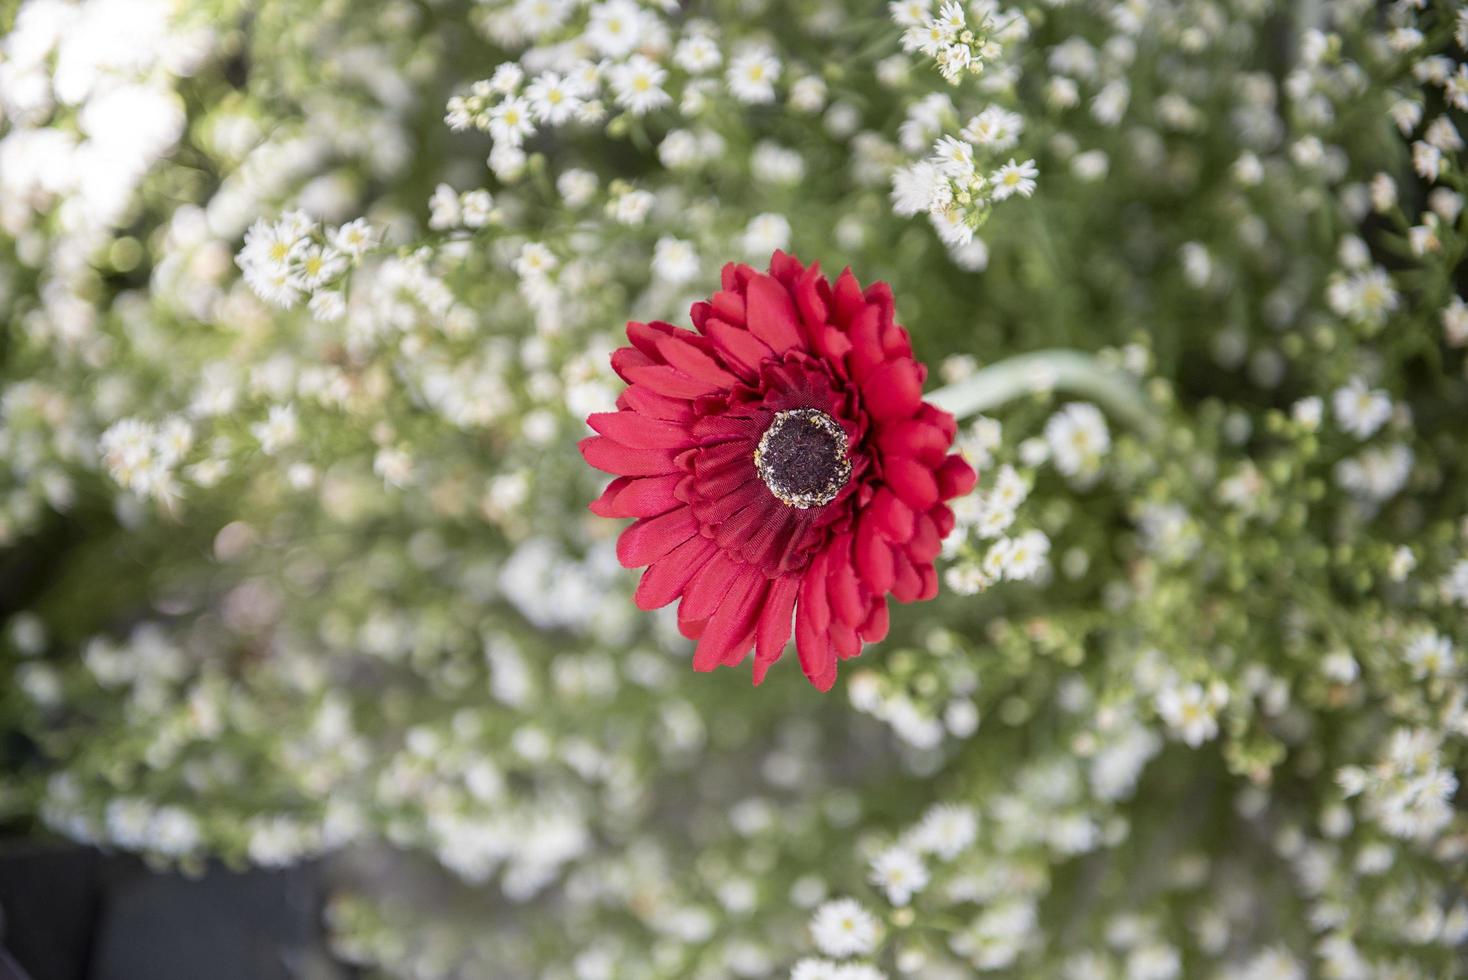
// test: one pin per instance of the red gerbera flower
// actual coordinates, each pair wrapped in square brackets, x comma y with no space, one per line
[781,465]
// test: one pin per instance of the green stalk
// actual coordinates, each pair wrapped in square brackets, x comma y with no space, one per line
[1071,371]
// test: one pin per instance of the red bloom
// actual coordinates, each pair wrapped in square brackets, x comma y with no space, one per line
[781,465]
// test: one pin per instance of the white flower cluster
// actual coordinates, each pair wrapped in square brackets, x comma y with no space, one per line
[144,457]
[1409,791]
[292,257]
[956,46]
[962,177]
[623,58]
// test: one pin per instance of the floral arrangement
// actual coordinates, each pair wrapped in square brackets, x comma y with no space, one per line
[309,305]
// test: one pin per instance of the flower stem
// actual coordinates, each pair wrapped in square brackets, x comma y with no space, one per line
[1072,371]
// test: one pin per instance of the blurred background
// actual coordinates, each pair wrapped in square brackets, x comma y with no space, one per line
[314,664]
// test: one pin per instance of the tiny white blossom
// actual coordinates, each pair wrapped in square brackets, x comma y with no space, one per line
[674,260]
[764,234]
[899,873]
[842,927]
[946,830]
[511,121]
[1361,411]
[752,76]
[279,430]
[638,85]
[1013,178]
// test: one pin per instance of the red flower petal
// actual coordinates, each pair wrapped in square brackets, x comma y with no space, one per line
[912,482]
[653,404]
[666,578]
[669,380]
[706,592]
[893,391]
[813,644]
[693,362]
[918,439]
[728,635]
[740,348]
[613,457]
[775,624]
[893,517]
[647,496]
[956,477]
[874,556]
[772,315]
[640,432]
[651,538]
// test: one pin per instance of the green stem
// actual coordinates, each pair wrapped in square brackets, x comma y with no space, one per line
[1071,371]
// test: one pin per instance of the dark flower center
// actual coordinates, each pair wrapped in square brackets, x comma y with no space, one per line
[802,458]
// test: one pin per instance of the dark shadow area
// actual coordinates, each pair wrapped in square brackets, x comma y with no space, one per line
[72,913]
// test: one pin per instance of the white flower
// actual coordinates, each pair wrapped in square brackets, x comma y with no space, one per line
[535,259]
[275,286]
[328,305]
[899,873]
[1191,711]
[1308,412]
[857,971]
[506,78]
[318,265]
[511,121]
[638,85]
[1361,411]
[1427,160]
[1430,654]
[1455,583]
[576,187]
[697,54]
[674,260]
[271,247]
[946,830]
[394,465]
[995,129]
[931,37]
[1377,473]
[1367,296]
[775,164]
[910,13]
[1401,564]
[552,99]
[954,157]
[764,234]
[354,237]
[631,207]
[279,429]
[808,94]
[843,928]
[752,76]
[507,162]
[1442,134]
[1025,555]
[1013,178]
[1454,318]
[680,150]
[1078,439]
[616,27]
[813,969]
[916,187]
[443,208]
[952,226]
[173,831]
[476,208]
[1455,87]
